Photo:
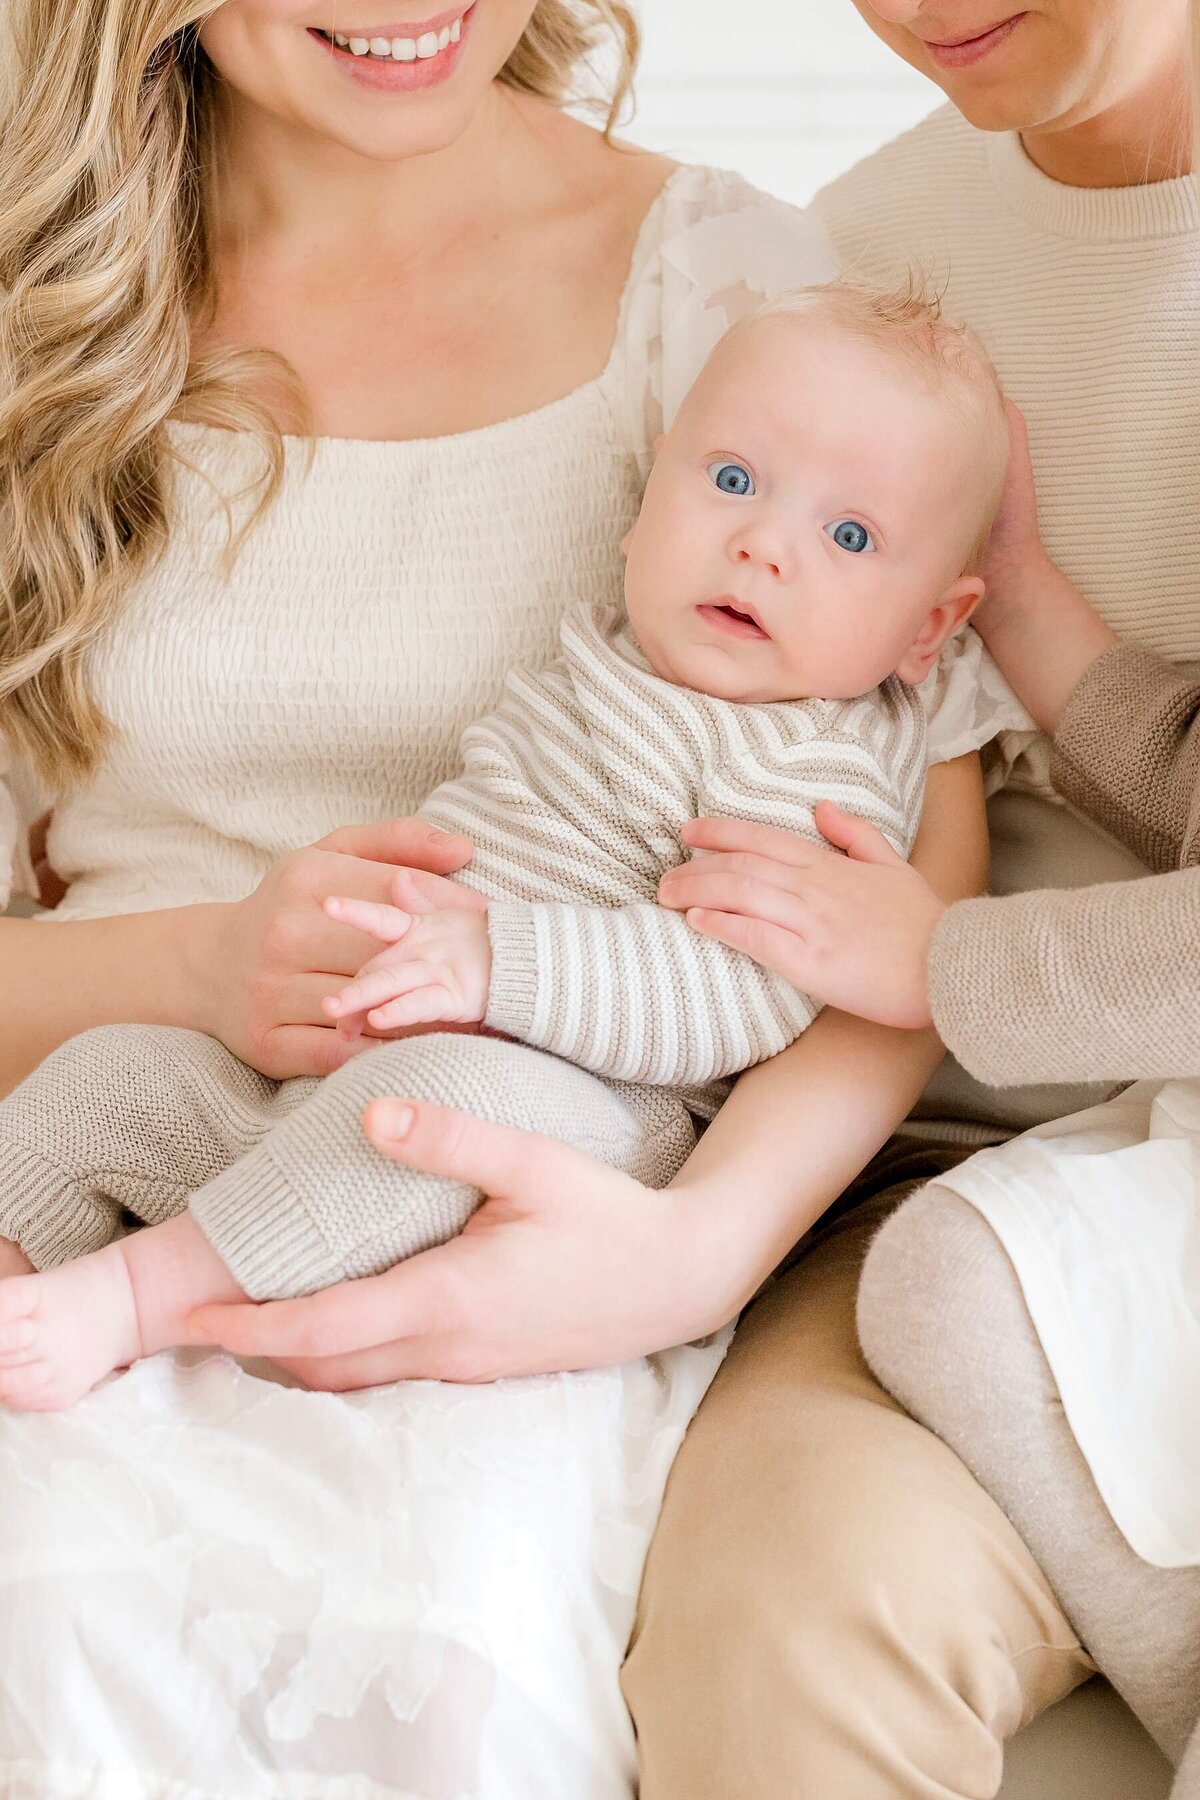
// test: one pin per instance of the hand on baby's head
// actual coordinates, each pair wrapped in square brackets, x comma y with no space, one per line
[815,510]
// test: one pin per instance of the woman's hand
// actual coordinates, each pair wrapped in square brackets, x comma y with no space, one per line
[1033,619]
[852,930]
[261,969]
[570,1265]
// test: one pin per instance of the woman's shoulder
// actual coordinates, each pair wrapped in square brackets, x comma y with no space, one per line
[712,247]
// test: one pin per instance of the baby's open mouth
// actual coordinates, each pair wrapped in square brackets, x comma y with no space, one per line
[734,619]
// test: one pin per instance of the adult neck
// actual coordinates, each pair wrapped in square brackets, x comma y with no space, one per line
[336,213]
[1143,137]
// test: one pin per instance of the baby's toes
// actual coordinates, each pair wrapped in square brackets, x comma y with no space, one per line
[18,1342]
[29,1388]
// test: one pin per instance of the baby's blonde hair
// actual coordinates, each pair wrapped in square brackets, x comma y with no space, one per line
[907,322]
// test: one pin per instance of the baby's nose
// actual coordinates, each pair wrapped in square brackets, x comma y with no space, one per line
[765,560]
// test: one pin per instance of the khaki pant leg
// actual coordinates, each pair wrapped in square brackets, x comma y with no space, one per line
[833,1608]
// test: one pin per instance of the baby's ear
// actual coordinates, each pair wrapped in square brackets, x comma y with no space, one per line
[949,615]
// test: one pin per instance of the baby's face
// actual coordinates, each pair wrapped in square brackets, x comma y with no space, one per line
[806,521]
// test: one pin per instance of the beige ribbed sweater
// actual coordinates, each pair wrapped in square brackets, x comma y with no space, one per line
[1098,983]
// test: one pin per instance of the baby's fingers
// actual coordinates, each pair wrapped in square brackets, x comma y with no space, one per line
[372,988]
[426,1006]
[387,923]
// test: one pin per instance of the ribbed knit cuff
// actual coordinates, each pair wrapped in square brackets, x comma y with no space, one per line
[256,1223]
[512,996]
[43,1210]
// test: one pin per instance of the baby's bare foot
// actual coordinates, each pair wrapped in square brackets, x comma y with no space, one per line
[62,1331]
[13,1260]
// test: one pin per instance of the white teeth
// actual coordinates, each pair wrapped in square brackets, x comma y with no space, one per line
[400,49]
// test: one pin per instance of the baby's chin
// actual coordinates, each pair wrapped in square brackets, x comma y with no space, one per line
[720,673]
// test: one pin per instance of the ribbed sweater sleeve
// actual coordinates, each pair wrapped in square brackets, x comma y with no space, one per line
[632,992]
[1091,984]
[1099,983]
[1127,752]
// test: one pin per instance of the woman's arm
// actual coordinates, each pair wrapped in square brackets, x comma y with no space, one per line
[1094,984]
[254,974]
[570,1264]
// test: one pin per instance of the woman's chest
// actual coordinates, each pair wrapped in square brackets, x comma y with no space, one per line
[374,611]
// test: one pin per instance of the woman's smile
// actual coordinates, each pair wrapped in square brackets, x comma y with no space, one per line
[400,57]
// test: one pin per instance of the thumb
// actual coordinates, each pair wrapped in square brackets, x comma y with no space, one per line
[861,841]
[502,1161]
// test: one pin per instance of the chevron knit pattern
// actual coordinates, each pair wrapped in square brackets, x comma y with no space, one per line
[574,794]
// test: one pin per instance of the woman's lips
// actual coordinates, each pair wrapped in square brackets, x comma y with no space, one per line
[398,77]
[973,50]
[732,619]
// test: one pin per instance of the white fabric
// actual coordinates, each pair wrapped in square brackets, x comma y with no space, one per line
[211,1584]
[1100,1214]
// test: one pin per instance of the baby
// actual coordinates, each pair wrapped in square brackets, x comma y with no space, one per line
[800,558]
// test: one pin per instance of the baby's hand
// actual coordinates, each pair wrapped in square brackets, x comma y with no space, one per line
[436,970]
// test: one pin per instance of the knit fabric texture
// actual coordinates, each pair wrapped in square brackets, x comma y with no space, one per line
[280,1176]
[574,793]
[1096,983]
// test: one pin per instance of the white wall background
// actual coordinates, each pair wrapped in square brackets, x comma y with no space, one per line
[789,92]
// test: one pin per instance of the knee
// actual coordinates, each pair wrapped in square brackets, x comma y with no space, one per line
[937,1294]
[763,1632]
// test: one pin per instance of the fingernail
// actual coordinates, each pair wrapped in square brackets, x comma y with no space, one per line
[394,1118]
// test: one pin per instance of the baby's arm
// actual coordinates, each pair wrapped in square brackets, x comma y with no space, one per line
[630,992]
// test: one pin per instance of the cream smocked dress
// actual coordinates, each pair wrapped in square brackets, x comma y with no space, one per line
[213,1583]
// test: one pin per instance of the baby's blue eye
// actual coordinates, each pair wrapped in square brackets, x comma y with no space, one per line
[850,535]
[731,477]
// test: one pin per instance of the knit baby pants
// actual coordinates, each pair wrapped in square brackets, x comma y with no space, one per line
[152,1120]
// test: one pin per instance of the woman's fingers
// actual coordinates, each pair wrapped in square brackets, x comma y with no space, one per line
[499,1159]
[774,946]
[407,1301]
[416,892]
[860,840]
[742,835]
[408,841]
[719,886]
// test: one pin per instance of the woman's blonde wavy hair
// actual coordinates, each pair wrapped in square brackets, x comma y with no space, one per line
[106,160]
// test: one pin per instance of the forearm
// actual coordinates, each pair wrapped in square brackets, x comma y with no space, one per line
[1044,635]
[797,1130]
[1093,984]
[61,979]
